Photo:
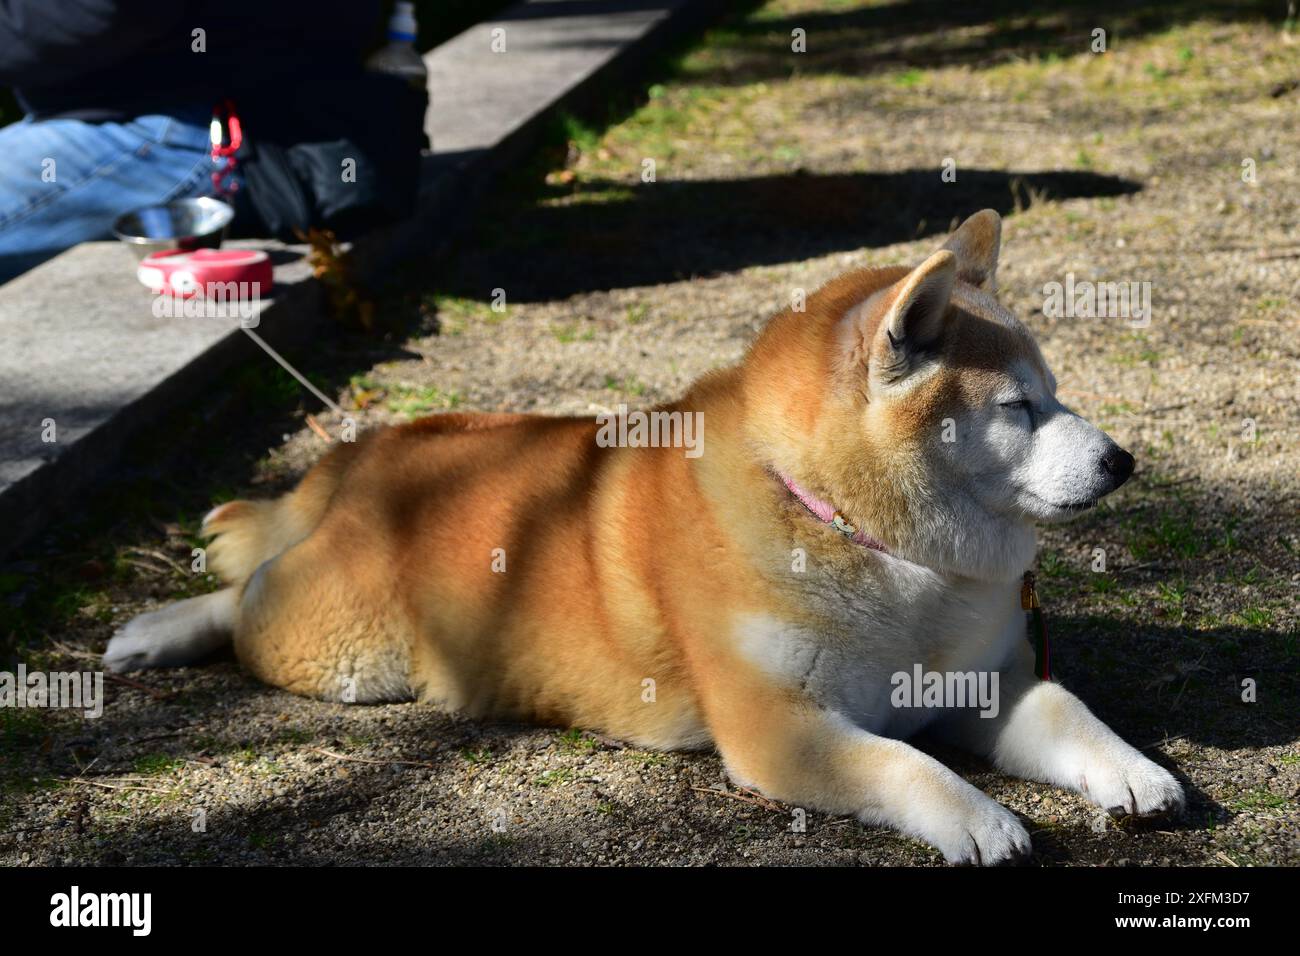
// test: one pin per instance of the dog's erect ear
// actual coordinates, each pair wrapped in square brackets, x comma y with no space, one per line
[976,244]
[915,319]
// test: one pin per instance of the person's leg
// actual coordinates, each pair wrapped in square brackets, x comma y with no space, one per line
[65,181]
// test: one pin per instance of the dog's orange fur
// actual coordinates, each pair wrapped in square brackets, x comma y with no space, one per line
[509,566]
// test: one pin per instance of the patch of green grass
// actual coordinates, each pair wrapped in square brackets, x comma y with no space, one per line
[480,755]
[1252,575]
[585,194]
[457,313]
[556,777]
[1255,617]
[1053,565]
[663,126]
[1260,798]
[157,764]
[1171,595]
[1239,857]
[648,758]
[743,832]
[576,740]
[1103,583]
[409,400]
[413,400]
[569,333]
[1229,541]
[581,134]
[1170,535]
[909,78]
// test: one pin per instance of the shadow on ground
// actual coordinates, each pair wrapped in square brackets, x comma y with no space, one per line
[612,235]
[404,801]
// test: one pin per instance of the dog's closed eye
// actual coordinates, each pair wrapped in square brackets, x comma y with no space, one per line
[1021,404]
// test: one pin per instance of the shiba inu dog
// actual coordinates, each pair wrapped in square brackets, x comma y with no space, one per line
[862,504]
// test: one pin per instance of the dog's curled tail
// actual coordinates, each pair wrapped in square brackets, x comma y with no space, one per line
[250,533]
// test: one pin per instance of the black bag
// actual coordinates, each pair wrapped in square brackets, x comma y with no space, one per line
[345,156]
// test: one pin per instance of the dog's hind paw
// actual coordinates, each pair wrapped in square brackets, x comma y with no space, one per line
[172,636]
[141,643]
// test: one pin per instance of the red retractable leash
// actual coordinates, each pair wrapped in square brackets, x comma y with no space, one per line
[224,147]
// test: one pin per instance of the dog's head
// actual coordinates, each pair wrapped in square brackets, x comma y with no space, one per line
[936,422]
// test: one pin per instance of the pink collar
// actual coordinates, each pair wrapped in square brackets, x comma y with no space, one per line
[827,514]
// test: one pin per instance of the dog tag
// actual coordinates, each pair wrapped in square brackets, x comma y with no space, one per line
[1036,627]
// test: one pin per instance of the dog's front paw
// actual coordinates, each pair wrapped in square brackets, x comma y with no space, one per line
[1134,787]
[985,833]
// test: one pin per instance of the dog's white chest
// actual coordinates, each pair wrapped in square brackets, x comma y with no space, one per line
[904,620]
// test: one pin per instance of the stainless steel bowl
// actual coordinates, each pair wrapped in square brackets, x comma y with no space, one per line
[181,224]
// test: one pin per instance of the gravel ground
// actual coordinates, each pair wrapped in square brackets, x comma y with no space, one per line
[774,171]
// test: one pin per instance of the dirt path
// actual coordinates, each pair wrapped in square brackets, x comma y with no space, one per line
[774,171]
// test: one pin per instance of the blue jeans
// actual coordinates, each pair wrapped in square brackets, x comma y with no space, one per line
[65,181]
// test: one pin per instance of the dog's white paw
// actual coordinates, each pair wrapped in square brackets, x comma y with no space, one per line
[138,644]
[178,634]
[984,834]
[1132,787]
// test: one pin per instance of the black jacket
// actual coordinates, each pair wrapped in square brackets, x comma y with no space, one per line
[107,60]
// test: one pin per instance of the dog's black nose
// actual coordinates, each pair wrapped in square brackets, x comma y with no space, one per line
[1118,464]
